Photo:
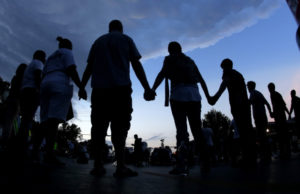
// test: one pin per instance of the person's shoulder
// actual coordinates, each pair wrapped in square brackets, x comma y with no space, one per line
[37,64]
[167,58]
[234,71]
[258,93]
[126,36]
[101,38]
[277,94]
[66,51]
[237,75]
[187,57]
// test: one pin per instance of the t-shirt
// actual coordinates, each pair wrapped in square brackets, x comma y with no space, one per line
[29,74]
[56,65]
[258,102]
[237,91]
[296,106]
[278,106]
[110,56]
[185,92]
[184,74]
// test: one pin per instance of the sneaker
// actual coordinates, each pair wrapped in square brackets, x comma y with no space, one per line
[124,172]
[99,171]
[179,171]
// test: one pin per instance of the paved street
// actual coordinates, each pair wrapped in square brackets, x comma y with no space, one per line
[279,177]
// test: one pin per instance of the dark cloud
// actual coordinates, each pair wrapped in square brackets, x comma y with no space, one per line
[27,25]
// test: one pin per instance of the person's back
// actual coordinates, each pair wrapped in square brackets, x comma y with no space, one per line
[278,105]
[29,80]
[236,88]
[183,73]
[110,56]
[16,81]
[56,65]
[258,103]
[295,105]
[181,69]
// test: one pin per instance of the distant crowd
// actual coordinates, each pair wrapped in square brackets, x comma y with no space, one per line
[48,82]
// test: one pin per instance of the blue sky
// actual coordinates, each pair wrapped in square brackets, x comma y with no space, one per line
[258,35]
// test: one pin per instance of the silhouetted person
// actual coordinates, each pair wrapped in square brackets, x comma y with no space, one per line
[295,106]
[235,143]
[258,102]
[30,95]
[138,152]
[109,65]
[185,102]
[279,109]
[208,136]
[56,93]
[12,103]
[234,82]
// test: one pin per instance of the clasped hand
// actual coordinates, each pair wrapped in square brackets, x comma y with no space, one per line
[82,94]
[149,95]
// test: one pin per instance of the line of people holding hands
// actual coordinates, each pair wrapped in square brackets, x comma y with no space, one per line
[48,83]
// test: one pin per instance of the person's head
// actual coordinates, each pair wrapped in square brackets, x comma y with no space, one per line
[40,55]
[115,25]
[251,85]
[293,93]
[174,48]
[271,87]
[135,136]
[64,43]
[20,70]
[226,65]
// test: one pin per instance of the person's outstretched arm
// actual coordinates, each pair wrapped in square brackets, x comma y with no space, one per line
[287,110]
[140,73]
[268,107]
[216,97]
[291,109]
[85,78]
[203,85]
[72,72]
[86,75]
[159,78]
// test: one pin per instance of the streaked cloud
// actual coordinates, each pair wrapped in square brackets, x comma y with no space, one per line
[27,25]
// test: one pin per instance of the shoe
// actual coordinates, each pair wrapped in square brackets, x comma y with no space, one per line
[99,171]
[179,171]
[124,172]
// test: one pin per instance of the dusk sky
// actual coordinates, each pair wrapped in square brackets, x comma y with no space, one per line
[258,35]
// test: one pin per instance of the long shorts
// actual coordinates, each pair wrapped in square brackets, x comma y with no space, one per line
[55,101]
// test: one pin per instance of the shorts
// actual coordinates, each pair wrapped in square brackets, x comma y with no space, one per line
[55,101]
